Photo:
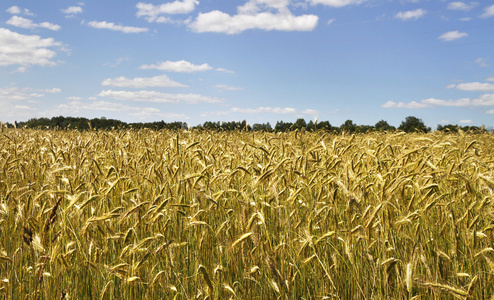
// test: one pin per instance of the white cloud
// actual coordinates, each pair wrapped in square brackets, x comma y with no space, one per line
[152,12]
[413,104]
[481,62]
[255,14]
[438,102]
[465,121]
[261,110]
[72,10]
[50,26]
[23,107]
[483,100]
[16,94]
[411,14]
[80,108]
[28,24]
[476,87]
[217,21]
[16,10]
[215,114]
[25,50]
[75,98]
[224,87]
[488,12]
[489,79]
[224,70]
[20,70]
[115,27]
[274,110]
[452,35]
[336,3]
[146,113]
[310,111]
[118,61]
[181,66]
[490,111]
[140,82]
[157,97]
[14,103]
[461,6]
[77,106]
[52,91]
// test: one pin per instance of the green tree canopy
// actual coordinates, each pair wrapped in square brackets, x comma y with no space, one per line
[413,124]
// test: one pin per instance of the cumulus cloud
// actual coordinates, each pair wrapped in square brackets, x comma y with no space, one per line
[28,24]
[224,87]
[262,110]
[310,111]
[488,12]
[224,70]
[491,111]
[438,102]
[481,62]
[142,82]
[476,87]
[411,14]
[72,10]
[16,10]
[452,35]
[465,121]
[115,27]
[152,13]
[217,21]
[157,97]
[75,98]
[15,103]
[273,110]
[413,104]
[12,94]
[145,113]
[462,6]
[181,66]
[52,91]
[483,100]
[25,50]
[255,14]
[336,3]
[78,107]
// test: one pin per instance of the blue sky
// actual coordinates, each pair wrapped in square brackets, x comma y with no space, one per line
[255,60]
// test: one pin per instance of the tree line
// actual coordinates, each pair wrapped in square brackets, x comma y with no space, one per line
[410,124]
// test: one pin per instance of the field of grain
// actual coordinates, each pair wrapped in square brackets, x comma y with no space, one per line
[242,215]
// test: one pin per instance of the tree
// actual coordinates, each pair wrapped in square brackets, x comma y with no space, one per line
[208,125]
[262,127]
[382,126]
[348,126]
[413,124]
[283,126]
[299,124]
[324,125]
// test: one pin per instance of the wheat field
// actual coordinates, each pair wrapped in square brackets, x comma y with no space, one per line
[137,214]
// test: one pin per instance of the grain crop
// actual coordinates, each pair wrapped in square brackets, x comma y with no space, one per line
[141,214]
